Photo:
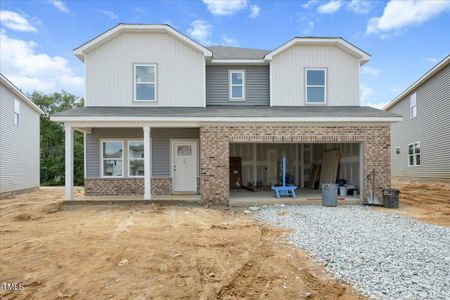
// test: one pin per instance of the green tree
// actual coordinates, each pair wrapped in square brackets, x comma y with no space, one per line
[52,138]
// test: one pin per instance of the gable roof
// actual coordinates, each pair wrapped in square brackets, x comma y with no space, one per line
[333,41]
[420,81]
[16,91]
[224,52]
[123,27]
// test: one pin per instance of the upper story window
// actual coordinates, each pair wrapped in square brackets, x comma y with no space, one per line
[414,154]
[112,158]
[316,86]
[237,84]
[145,82]
[16,112]
[413,105]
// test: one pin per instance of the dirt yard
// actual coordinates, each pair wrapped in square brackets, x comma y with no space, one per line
[428,202]
[149,252]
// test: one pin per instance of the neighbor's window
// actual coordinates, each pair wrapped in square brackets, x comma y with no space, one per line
[414,154]
[316,81]
[145,82]
[237,84]
[135,158]
[397,151]
[112,158]
[413,105]
[16,112]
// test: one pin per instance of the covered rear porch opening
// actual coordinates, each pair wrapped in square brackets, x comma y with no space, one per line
[256,167]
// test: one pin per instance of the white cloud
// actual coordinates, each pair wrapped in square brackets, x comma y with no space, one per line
[14,21]
[431,60]
[367,70]
[360,6]
[229,41]
[61,6]
[200,30]
[365,92]
[400,14]
[308,28]
[109,13]
[254,11]
[330,7]
[30,70]
[225,7]
[309,3]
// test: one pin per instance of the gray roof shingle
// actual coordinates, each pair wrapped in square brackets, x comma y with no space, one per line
[229,111]
[223,52]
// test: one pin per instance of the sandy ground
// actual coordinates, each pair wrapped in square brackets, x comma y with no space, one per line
[428,202]
[149,252]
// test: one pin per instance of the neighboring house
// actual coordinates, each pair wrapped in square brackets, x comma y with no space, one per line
[19,140]
[420,143]
[164,114]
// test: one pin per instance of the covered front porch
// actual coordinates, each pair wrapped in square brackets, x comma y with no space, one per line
[126,163]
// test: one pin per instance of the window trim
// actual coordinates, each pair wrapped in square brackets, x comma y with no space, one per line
[155,82]
[415,154]
[325,96]
[103,159]
[16,112]
[130,158]
[411,116]
[230,85]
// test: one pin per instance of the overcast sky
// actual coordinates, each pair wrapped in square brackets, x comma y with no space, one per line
[405,38]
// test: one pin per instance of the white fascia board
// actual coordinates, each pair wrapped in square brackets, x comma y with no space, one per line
[419,81]
[339,42]
[226,61]
[225,119]
[113,32]
[19,94]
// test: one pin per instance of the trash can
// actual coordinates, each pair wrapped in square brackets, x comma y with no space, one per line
[329,194]
[391,198]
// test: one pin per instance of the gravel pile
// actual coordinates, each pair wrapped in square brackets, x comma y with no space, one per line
[383,255]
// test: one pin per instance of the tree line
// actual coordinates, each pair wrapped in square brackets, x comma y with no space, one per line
[52,138]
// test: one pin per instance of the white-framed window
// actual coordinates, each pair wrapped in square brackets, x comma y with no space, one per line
[397,151]
[315,86]
[145,82]
[413,105]
[237,84]
[136,158]
[112,158]
[414,154]
[16,116]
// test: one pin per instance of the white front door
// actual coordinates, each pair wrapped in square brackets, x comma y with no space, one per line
[184,166]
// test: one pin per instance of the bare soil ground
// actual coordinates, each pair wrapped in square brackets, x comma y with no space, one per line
[428,202]
[149,252]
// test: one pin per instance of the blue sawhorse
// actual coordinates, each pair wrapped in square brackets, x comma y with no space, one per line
[284,190]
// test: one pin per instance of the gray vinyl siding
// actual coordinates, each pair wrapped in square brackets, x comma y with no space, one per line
[256,85]
[431,127]
[160,146]
[19,145]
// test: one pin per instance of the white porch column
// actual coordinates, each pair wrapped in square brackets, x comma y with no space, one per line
[147,164]
[68,192]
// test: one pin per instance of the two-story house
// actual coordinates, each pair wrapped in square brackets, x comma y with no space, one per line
[166,115]
[420,143]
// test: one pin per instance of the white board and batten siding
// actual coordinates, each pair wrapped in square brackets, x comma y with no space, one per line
[180,71]
[19,145]
[288,75]
[431,127]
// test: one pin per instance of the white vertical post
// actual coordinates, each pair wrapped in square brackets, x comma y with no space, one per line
[302,162]
[255,165]
[68,192]
[147,164]
[297,178]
